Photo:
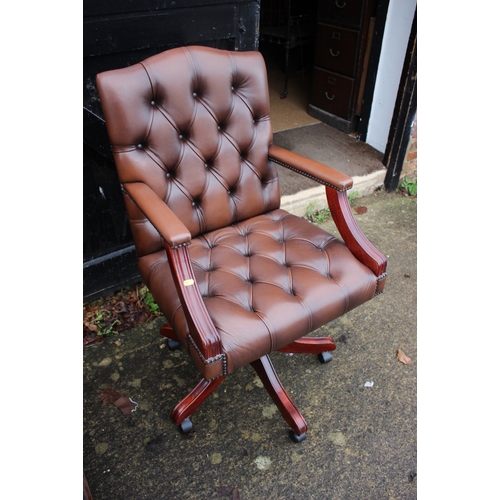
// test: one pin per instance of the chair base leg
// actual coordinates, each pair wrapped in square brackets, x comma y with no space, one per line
[194,400]
[167,331]
[310,345]
[265,371]
[321,346]
[173,342]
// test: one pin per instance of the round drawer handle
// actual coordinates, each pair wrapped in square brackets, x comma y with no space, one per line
[336,53]
[328,97]
[338,4]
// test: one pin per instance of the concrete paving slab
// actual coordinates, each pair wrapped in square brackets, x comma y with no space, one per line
[334,149]
[331,147]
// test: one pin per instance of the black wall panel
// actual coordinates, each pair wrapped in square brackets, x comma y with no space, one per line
[117,34]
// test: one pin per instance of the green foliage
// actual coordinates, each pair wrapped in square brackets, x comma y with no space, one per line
[317,215]
[149,301]
[352,196]
[108,330]
[100,320]
[409,185]
[117,312]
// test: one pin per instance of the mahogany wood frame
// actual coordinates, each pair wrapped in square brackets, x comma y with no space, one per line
[291,414]
[265,370]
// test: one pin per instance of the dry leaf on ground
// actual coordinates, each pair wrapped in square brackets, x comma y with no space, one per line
[402,357]
[115,313]
[109,395]
[126,405]
[231,492]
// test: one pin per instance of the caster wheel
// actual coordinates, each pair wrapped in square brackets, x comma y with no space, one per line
[173,344]
[186,426]
[325,357]
[297,439]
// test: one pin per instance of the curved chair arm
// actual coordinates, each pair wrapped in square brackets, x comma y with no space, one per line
[337,185]
[201,327]
[177,237]
[170,227]
[353,237]
[310,168]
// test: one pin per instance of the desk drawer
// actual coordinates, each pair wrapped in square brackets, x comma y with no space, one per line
[332,93]
[336,49]
[347,12]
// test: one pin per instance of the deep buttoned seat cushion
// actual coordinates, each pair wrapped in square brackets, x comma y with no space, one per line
[266,282]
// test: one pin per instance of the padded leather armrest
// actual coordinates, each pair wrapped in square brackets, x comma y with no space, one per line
[170,227]
[310,168]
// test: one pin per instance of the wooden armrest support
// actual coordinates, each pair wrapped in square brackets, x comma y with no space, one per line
[170,227]
[310,168]
[201,327]
[352,235]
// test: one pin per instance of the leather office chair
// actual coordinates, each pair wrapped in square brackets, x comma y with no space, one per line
[235,276]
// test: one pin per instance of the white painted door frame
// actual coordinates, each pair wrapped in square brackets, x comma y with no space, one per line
[397,30]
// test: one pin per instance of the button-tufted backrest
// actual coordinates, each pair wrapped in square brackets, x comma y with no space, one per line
[193,123]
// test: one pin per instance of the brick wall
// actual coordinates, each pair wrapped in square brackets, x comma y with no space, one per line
[410,163]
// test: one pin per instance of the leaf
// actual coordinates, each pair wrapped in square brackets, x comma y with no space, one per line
[109,395]
[230,492]
[126,405]
[120,307]
[402,357]
[90,326]
[361,210]
[117,312]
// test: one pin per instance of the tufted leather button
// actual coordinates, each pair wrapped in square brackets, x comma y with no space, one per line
[169,175]
[193,203]
[153,103]
[195,95]
[139,146]
[181,137]
[218,127]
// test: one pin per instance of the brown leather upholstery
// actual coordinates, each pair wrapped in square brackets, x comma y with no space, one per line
[266,282]
[191,137]
[193,124]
